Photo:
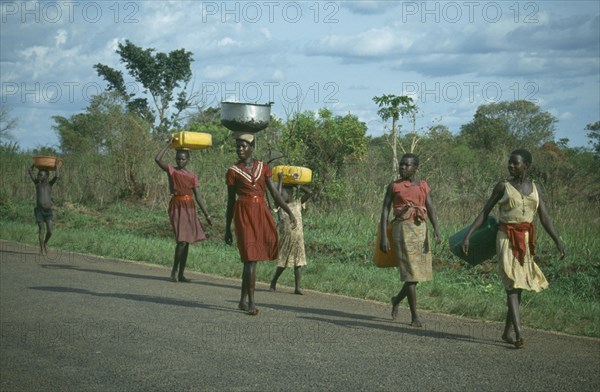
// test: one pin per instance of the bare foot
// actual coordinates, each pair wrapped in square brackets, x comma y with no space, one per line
[520,343]
[507,339]
[416,323]
[299,292]
[395,308]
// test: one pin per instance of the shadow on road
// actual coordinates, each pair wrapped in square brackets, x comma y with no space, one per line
[433,330]
[135,297]
[129,275]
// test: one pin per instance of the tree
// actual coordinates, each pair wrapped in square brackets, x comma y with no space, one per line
[505,125]
[108,128]
[394,107]
[325,143]
[594,135]
[208,120]
[161,75]
[6,123]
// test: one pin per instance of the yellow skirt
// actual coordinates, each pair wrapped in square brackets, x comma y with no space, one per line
[514,275]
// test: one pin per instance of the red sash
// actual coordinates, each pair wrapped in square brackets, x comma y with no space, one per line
[516,236]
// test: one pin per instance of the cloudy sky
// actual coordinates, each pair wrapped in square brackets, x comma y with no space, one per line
[450,56]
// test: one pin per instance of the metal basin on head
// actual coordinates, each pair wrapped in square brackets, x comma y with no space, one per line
[245,117]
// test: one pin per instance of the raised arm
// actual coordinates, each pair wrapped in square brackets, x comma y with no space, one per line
[384,244]
[31,175]
[280,202]
[59,164]
[546,222]
[158,158]
[306,194]
[483,215]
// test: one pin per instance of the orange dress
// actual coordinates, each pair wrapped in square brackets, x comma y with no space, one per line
[182,208]
[255,229]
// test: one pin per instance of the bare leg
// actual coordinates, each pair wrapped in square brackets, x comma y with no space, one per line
[41,237]
[507,327]
[244,294]
[278,273]
[396,301]
[48,235]
[250,270]
[508,324]
[179,252]
[514,301]
[183,262]
[411,294]
[298,280]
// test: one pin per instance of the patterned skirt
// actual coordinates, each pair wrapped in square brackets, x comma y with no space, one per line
[412,251]
[291,241]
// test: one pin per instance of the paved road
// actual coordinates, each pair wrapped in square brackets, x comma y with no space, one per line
[72,322]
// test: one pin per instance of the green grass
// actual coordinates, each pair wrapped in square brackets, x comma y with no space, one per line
[339,248]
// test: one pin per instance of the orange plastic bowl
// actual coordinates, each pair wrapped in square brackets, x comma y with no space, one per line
[46,162]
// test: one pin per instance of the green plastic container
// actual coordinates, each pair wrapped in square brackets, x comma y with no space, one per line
[482,244]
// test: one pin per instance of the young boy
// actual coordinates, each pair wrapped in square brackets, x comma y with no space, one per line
[43,203]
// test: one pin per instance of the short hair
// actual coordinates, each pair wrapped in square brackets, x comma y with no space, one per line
[182,151]
[414,157]
[526,155]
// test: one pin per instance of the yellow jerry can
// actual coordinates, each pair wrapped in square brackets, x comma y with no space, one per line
[191,140]
[385,260]
[293,175]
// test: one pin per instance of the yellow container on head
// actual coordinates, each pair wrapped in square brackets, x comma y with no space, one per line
[293,175]
[191,140]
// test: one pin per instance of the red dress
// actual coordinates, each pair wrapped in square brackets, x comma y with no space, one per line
[182,208]
[254,226]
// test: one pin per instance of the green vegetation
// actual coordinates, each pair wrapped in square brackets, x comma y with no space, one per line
[339,248]
[111,199]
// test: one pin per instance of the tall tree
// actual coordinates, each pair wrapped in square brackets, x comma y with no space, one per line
[108,128]
[161,75]
[324,142]
[594,135]
[7,123]
[394,107]
[509,124]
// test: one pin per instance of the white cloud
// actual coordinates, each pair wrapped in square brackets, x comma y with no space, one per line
[340,56]
[217,72]
[227,41]
[61,38]
[566,116]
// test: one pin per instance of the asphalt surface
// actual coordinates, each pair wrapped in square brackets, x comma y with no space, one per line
[72,322]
